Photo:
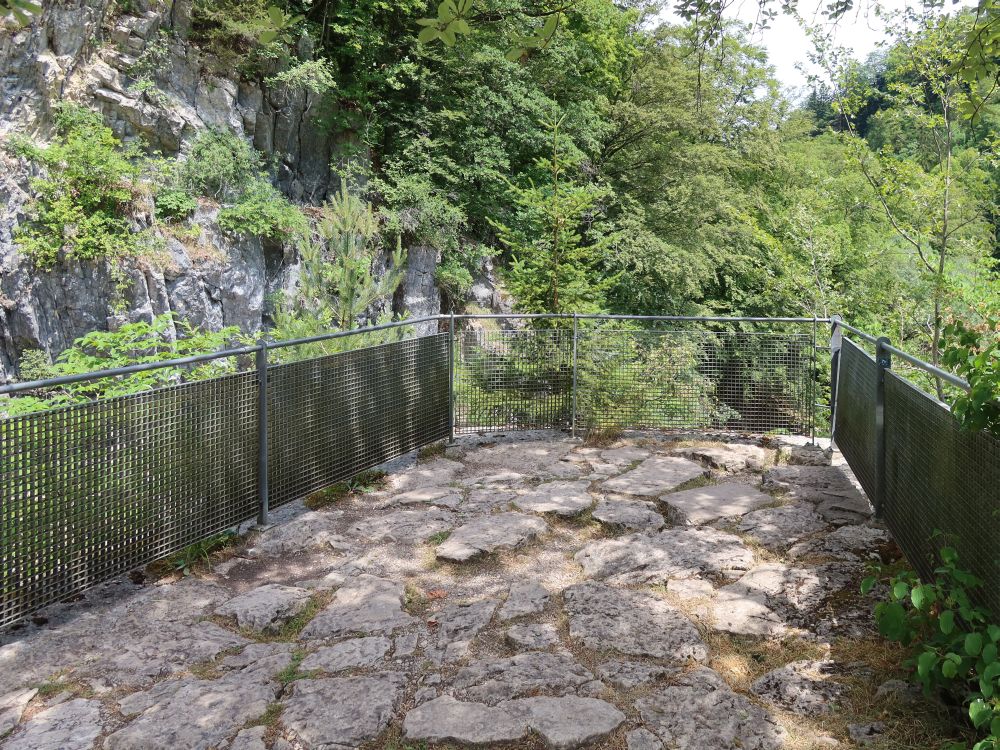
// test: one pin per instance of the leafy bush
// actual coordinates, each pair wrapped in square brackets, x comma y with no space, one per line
[82,204]
[174,204]
[220,165]
[133,343]
[975,356]
[954,646]
[263,211]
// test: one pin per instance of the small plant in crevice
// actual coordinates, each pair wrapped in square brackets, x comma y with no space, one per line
[953,644]
[198,554]
[361,483]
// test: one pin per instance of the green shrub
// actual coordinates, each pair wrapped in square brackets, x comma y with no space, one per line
[975,355]
[82,204]
[263,211]
[953,645]
[220,165]
[173,204]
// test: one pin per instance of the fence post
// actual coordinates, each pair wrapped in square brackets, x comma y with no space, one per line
[262,463]
[883,362]
[836,344]
[451,377]
[573,418]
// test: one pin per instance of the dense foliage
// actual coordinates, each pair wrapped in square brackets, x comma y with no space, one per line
[953,643]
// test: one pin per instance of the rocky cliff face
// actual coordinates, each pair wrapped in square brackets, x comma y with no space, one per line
[79,50]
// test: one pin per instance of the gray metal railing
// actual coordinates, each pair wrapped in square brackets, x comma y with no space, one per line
[93,488]
[933,482]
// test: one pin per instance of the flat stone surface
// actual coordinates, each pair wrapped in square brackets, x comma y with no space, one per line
[631,674]
[456,626]
[533,637]
[732,457]
[604,618]
[625,455]
[802,687]
[705,504]
[342,712]
[446,719]
[434,473]
[568,722]
[673,553]
[630,514]
[447,497]
[779,528]
[404,525]
[365,604]
[773,596]
[700,711]
[492,681]
[356,652]
[73,725]
[848,542]
[559,498]
[524,599]
[250,739]
[520,455]
[489,534]
[807,455]
[12,705]
[655,476]
[313,530]
[642,739]
[827,487]
[193,713]
[267,607]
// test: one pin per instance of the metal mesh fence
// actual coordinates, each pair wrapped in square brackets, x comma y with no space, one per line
[942,485]
[331,417]
[678,378]
[513,379]
[855,419]
[93,490]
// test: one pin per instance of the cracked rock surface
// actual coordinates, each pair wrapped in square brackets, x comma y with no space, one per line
[527,592]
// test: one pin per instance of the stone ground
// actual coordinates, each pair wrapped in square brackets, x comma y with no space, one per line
[528,591]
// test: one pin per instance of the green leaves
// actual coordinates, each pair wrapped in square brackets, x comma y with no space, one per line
[452,20]
[23,11]
[281,26]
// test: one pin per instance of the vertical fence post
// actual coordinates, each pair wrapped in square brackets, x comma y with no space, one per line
[836,344]
[572,428]
[813,390]
[262,463]
[883,362]
[451,378]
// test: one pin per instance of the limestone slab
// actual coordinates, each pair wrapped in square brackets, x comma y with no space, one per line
[655,476]
[489,534]
[604,618]
[532,637]
[356,652]
[365,604]
[673,553]
[266,608]
[73,725]
[342,712]
[705,504]
[559,498]
[524,599]
[802,687]
[492,681]
[630,514]
[779,528]
[700,711]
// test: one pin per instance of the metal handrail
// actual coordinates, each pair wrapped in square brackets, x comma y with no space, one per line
[933,370]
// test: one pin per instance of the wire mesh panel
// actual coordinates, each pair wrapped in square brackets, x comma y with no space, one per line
[513,379]
[90,491]
[333,416]
[855,419]
[739,380]
[942,485]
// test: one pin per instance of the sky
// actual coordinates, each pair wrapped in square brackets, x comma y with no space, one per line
[788,47]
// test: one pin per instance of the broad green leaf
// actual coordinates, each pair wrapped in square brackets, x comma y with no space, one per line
[900,590]
[973,644]
[949,669]
[947,621]
[268,36]
[550,26]
[868,584]
[514,54]
[427,34]
[926,662]
[276,15]
[980,712]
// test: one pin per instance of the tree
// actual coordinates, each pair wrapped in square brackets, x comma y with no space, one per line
[932,187]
